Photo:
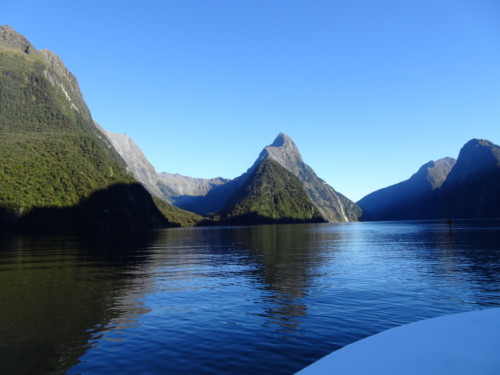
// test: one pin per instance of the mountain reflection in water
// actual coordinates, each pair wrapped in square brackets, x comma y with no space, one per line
[225,300]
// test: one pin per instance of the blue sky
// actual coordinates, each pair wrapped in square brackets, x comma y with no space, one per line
[368,90]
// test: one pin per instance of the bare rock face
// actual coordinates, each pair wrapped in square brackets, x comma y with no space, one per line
[285,153]
[166,186]
[185,185]
[136,162]
[58,75]
[11,40]
[332,205]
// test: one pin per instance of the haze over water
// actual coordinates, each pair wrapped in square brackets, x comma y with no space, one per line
[226,300]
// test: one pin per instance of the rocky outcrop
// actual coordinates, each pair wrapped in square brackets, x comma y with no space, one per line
[166,186]
[58,75]
[415,198]
[10,40]
[333,206]
[136,162]
[185,185]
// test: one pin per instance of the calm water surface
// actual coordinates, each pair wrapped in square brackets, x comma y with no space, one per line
[229,300]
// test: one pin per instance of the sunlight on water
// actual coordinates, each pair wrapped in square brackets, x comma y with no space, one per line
[268,299]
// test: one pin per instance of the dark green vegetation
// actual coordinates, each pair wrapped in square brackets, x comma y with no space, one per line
[331,205]
[270,195]
[57,169]
[51,313]
[177,216]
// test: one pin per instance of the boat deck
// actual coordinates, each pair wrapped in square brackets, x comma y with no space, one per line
[465,343]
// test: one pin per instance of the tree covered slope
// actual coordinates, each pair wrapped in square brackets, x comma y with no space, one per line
[52,156]
[270,195]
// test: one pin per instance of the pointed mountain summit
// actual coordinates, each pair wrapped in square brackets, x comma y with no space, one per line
[411,199]
[332,205]
[284,151]
[472,188]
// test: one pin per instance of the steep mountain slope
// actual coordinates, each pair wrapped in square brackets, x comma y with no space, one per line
[332,205]
[55,164]
[185,185]
[271,194]
[136,162]
[472,189]
[166,186]
[415,198]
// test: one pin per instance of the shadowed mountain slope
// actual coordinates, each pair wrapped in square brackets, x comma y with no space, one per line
[415,198]
[472,189]
[332,205]
[52,156]
[446,189]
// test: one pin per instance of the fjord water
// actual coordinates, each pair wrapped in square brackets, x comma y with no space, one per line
[231,300]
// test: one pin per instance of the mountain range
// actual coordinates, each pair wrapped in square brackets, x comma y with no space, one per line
[61,170]
[444,189]
[213,197]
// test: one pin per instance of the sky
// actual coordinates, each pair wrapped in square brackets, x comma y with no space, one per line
[368,90]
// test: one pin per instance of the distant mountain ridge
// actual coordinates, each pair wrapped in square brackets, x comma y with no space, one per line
[210,196]
[464,188]
[332,205]
[58,168]
[414,198]
[166,186]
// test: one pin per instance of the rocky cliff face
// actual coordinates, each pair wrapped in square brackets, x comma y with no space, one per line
[415,198]
[333,206]
[58,75]
[472,189]
[10,40]
[166,186]
[136,161]
[185,185]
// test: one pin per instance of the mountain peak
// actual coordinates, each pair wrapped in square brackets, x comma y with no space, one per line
[284,151]
[474,143]
[12,40]
[281,140]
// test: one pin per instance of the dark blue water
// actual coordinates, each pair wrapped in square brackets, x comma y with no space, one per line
[248,300]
